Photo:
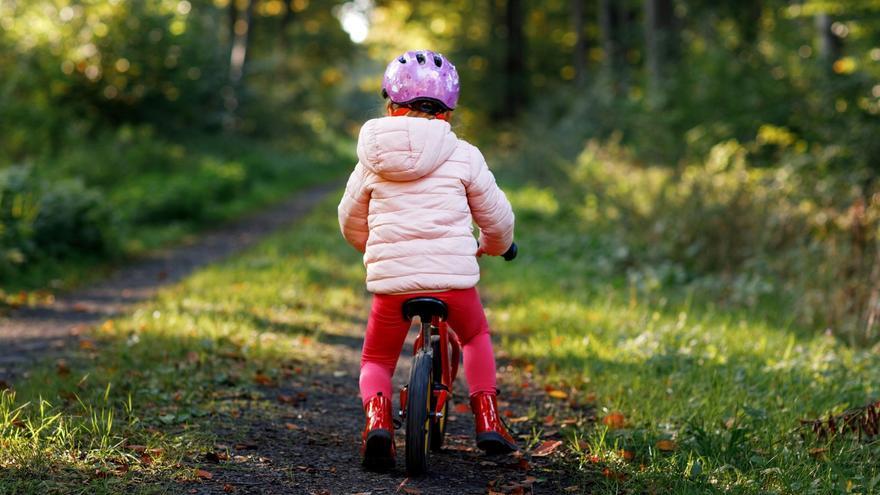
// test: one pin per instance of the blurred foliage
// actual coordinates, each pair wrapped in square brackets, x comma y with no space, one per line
[747,162]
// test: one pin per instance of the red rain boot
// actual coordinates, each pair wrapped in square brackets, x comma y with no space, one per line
[492,436]
[378,437]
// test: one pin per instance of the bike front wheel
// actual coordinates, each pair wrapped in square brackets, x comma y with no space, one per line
[418,417]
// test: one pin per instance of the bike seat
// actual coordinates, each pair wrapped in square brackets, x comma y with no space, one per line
[425,308]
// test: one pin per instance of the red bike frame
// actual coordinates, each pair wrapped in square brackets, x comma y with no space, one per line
[449,367]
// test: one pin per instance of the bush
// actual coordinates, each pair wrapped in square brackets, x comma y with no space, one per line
[18,209]
[73,219]
[742,235]
[39,219]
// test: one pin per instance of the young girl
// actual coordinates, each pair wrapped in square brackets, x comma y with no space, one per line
[409,206]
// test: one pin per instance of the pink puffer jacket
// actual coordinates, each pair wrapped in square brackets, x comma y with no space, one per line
[410,203]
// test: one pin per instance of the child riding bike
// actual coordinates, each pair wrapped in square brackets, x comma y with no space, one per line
[409,206]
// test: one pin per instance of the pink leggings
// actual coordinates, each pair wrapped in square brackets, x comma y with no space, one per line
[386,332]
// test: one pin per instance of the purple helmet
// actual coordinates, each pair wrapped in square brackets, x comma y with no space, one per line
[421,75]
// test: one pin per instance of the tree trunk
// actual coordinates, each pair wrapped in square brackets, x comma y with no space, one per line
[610,20]
[830,45]
[240,42]
[659,44]
[515,93]
[241,26]
[286,19]
[233,16]
[580,45]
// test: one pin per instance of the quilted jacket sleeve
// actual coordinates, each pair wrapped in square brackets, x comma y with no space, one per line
[489,207]
[354,208]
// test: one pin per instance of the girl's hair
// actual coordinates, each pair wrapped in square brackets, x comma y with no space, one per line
[412,112]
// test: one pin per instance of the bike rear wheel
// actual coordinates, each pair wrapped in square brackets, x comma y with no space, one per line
[438,427]
[418,418]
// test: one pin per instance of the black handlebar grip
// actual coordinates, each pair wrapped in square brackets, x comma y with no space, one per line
[510,254]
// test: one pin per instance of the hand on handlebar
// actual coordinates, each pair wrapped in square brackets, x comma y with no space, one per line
[508,255]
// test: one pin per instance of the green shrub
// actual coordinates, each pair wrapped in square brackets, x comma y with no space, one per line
[186,196]
[72,220]
[41,219]
[18,209]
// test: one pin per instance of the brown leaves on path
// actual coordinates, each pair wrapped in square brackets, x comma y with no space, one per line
[546,448]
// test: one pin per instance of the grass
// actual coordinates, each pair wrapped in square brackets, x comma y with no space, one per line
[726,387]
[689,396]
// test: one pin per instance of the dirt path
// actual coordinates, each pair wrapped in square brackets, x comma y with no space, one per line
[35,333]
[303,437]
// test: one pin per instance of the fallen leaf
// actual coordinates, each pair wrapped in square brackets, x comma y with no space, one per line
[138,449]
[521,419]
[246,446]
[204,475]
[569,422]
[217,456]
[62,368]
[614,419]
[401,485]
[627,455]
[228,488]
[570,489]
[264,380]
[612,474]
[558,394]
[290,399]
[291,426]
[546,448]
[549,419]
[666,445]
[508,413]
[87,345]
[462,408]
[412,491]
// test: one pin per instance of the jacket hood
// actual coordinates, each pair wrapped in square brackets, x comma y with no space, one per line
[405,148]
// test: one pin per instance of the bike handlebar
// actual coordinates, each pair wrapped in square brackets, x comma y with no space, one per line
[511,252]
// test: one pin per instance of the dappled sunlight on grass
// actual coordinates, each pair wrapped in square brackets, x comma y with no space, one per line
[727,386]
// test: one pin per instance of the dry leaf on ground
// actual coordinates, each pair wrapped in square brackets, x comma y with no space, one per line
[546,448]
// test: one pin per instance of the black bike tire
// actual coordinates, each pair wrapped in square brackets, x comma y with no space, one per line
[438,427]
[417,414]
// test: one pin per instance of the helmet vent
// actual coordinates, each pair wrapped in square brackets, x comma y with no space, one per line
[402,59]
[420,58]
[438,61]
